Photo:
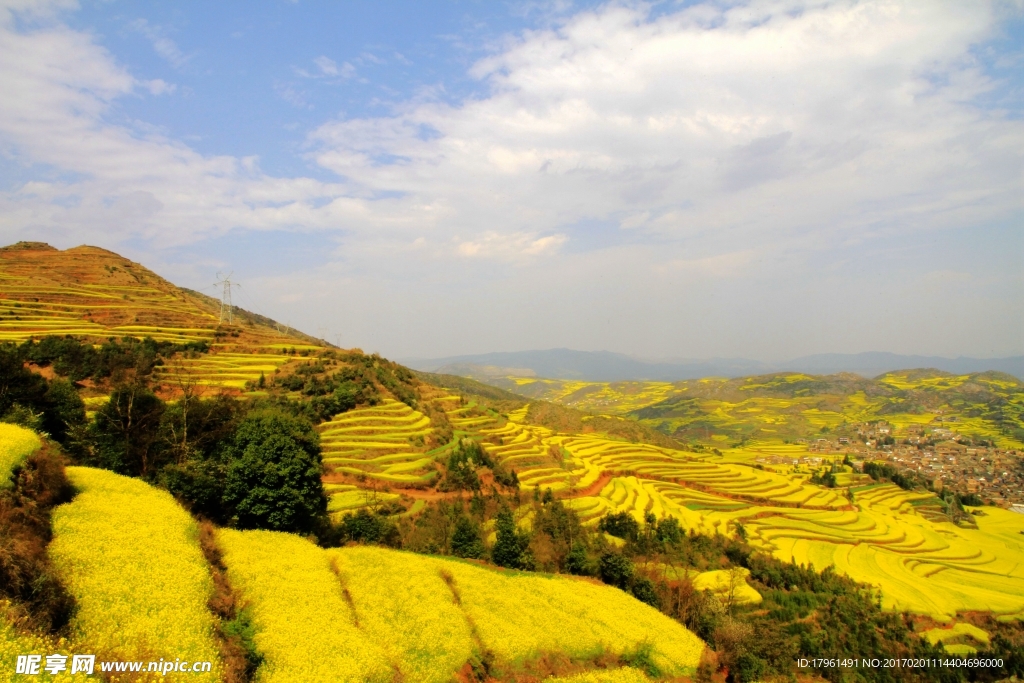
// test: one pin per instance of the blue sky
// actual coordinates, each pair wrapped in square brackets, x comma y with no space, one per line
[763,179]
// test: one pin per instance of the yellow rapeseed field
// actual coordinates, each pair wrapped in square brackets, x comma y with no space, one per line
[14,643]
[941,635]
[522,615]
[16,444]
[305,628]
[130,556]
[374,613]
[403,604]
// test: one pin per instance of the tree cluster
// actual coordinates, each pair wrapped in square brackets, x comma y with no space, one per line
[71,358]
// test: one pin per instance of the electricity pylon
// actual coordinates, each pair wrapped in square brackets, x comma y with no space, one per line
[225,297]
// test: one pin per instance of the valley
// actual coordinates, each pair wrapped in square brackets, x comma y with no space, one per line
[553,528]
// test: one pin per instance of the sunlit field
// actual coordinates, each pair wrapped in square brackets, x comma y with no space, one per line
[130,556]
[762,414]
[307,603]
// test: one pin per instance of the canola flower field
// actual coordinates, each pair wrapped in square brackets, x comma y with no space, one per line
[16,444]
[921,561]
[355,609]
[130,556]
[225,369]
[14,642]
[900,541]
[383,442]
[305,626]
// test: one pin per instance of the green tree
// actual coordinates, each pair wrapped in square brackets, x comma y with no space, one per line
[644,591]
[466,541]
[578,562]
[273,479]
[64,410]
[367,527]
[615,570]
[511,548]
[620,524]
[18,384]
[125,431]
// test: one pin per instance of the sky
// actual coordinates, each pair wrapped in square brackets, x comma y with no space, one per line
[763,179]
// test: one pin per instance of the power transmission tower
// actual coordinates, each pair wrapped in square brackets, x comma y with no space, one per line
[225,297]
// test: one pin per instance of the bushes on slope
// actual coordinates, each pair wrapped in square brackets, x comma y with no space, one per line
[26,575]
[273,479]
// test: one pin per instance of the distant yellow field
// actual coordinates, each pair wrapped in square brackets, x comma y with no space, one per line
[744,413]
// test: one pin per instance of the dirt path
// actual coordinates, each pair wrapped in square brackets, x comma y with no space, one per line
[594,488]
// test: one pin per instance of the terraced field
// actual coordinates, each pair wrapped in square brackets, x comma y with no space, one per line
[596,397]
[921,564]
[898,540]
[93,293]
[384,443]
[223,369]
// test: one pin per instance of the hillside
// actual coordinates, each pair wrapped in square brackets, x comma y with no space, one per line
[94,294]
[793,406]
[91,292]
[137,566]
[688,479]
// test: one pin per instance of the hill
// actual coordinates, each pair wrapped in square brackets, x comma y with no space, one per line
[94,293]
[604,366]
[794,406]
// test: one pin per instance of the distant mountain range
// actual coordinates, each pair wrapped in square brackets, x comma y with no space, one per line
[605,366]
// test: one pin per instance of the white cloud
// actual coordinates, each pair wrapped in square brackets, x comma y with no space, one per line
[806,118]
[159,86]
[117,182]
[510,247]
[716,142]
[329,69]
[166,48]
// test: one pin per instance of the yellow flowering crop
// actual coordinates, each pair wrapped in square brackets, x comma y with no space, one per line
[304,627]
[402,603]
[625,675]
[941,635]
[367,614]
[13,643]
[130,556]
[724,581]
[16,444]
[520,616]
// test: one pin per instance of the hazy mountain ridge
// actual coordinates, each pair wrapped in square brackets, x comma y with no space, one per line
[606,366]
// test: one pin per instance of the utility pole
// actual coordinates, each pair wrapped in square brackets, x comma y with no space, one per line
[225,297]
